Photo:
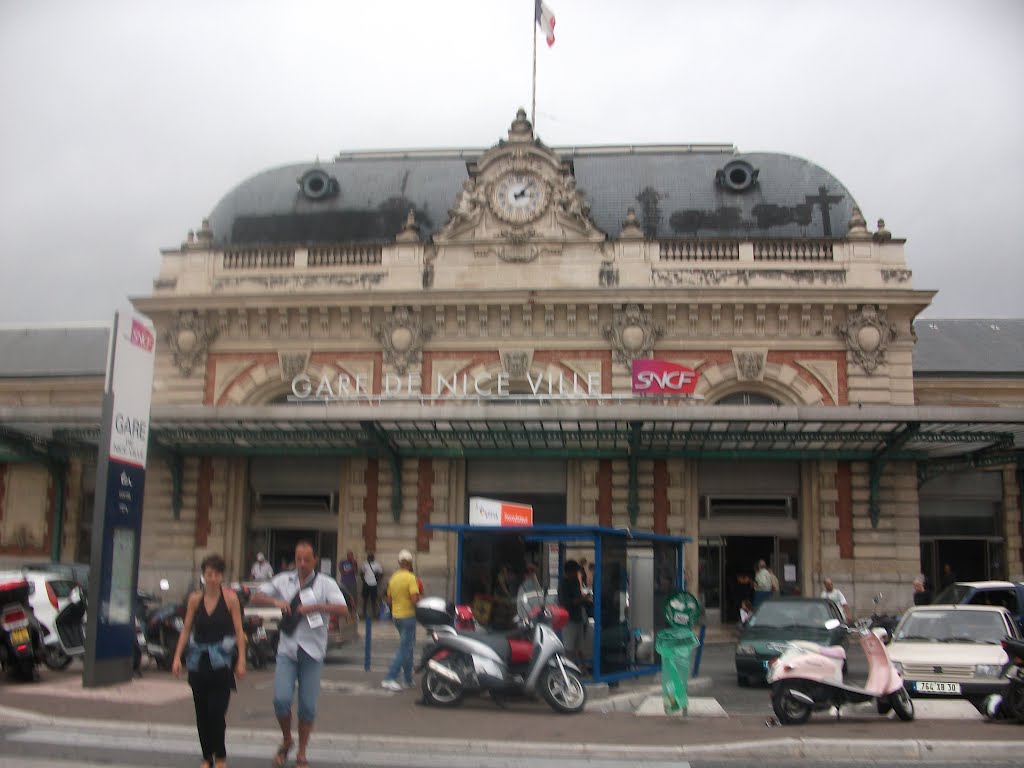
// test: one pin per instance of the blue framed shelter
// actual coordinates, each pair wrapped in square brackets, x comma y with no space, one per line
[613,637]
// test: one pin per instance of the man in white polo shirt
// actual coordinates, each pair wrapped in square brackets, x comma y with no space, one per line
[307,601]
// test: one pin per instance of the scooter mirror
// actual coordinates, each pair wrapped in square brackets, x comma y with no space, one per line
[832,624]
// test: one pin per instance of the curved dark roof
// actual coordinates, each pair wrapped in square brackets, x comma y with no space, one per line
[677,192]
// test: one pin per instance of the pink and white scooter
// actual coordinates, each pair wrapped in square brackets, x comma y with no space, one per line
[808,677]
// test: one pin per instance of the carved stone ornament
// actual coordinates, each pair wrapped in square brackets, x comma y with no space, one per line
[633,335]
[292,364]
[517,363]
[867,335]
[188,339]
[750,364]
[402,336]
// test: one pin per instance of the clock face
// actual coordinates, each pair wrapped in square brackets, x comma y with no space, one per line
[519,197]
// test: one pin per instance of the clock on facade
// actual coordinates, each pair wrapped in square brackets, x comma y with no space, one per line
[519,198]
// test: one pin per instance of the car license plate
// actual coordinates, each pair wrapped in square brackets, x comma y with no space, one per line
[19,636]
[928,687]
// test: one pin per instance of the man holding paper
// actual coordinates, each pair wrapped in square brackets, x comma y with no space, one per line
[304,597]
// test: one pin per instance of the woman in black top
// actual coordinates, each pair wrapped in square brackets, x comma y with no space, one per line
[216,644]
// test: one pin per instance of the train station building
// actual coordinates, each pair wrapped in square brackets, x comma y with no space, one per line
[679,339]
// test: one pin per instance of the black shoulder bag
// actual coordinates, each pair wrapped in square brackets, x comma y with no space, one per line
[290,622]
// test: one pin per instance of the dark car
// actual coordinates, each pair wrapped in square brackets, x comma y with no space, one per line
[779,621]
[1000,594]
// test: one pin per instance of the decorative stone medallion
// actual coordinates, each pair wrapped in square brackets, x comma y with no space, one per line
[402,336]
[750,364]
[632,335]
[517,363]
[867,335]
[189,339]
[292,363]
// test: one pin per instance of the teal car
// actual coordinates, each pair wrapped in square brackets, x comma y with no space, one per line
[780,620]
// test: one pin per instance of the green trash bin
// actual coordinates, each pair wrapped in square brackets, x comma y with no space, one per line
[675,645]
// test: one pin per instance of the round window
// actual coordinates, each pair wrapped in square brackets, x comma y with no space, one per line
[737,176]
[317,185]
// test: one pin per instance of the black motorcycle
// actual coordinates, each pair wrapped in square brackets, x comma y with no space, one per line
[1011,706]
[259,650]
[163,627]
[21,637]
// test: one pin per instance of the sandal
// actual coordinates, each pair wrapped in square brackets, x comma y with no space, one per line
[281,756]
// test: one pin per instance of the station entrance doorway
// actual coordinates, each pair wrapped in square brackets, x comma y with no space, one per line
[727,566]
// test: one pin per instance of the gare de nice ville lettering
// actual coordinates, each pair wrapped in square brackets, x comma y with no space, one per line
[457,386]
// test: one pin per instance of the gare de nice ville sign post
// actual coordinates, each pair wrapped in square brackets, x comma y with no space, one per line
[117,512]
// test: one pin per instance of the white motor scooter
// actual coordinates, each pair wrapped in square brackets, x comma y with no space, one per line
[527,661]
[809,677]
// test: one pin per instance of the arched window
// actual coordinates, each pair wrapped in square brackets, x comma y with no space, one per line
[747,398]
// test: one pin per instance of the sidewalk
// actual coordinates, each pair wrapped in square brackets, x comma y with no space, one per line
[355,713]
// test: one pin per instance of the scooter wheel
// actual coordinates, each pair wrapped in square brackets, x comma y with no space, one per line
[788,708]
[1013,700]
[565,698]
[439,690]
[54,658]
[902,704]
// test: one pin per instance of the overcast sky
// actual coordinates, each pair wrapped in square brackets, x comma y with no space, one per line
[123,123]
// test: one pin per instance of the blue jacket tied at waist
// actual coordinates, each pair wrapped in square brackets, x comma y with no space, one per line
[221,653]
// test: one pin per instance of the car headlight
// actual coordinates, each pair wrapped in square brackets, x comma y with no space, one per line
[988,670]
[745,650]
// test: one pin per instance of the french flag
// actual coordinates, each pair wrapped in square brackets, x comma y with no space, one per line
[546,21]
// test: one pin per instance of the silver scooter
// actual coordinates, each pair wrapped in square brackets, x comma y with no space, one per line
[528,661]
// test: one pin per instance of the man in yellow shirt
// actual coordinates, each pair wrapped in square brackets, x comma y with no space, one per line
[402,596]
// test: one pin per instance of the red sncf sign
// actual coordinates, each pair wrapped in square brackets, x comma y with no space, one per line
[141,337]
[660,377]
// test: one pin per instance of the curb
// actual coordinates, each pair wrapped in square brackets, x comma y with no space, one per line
[630,702]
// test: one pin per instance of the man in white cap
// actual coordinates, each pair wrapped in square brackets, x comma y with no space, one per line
[402,596]
[261,569]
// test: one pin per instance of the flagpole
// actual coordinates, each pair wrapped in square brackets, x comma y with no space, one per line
[533,91]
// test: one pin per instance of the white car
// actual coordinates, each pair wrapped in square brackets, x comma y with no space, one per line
[953,651]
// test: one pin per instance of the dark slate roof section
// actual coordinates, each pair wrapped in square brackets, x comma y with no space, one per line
[674,191]
[976,348]
[54,351]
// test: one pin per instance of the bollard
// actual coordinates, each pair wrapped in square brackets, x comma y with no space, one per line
[700,650]
[366,652]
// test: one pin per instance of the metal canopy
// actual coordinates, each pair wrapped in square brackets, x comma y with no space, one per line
[939,439]
[639,430]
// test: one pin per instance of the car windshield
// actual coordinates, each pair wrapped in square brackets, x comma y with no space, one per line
[950,626]
[954,594]
[790,613]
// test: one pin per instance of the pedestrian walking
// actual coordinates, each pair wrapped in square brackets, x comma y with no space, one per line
[261,569]
[304,597]
[372,571]
[831,593]
[922,595]
[762,583]
[402,595]
[575,602]
[216,657]
[347,569]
